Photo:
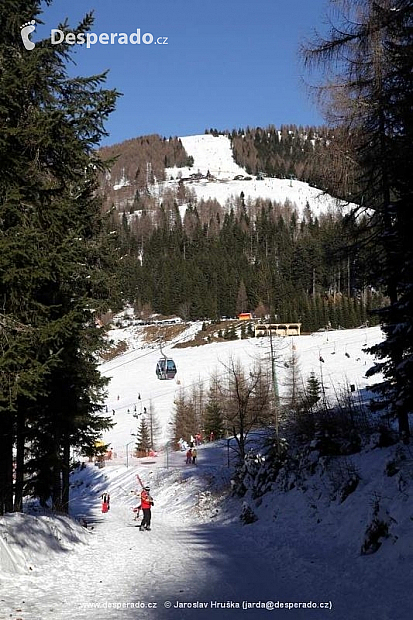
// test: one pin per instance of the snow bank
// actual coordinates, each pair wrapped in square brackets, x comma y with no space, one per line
[304,544]
[27,541]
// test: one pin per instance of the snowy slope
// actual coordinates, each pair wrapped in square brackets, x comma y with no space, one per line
[133,373]
[214,154]
[304,548]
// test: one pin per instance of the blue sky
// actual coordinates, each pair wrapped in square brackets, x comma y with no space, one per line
[225,63]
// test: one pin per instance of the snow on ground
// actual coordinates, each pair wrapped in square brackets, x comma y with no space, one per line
[210,153]
[304,548]
[134,338]
[214,154]
[133,374]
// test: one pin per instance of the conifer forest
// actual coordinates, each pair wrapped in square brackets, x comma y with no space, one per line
[71,250]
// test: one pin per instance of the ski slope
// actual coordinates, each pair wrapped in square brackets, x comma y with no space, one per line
[133,374]
[199,560]
[213,154]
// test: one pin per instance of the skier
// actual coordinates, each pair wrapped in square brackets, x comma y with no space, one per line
[146,504]
[105,502]
[194,454]
[189,456]
[137,511]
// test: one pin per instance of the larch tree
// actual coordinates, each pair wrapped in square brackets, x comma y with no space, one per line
[213,423]
[369,97]
[247,402]
[184,421]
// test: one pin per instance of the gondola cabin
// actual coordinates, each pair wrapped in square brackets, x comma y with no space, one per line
[165,368]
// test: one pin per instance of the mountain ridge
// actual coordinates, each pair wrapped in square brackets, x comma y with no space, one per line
[202,163]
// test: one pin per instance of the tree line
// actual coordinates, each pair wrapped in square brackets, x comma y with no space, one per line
[240,403]
[236,403]
[306,153]
[253,258]
[134,165]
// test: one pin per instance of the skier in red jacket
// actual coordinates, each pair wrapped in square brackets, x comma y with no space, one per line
[105,502]
[146,505]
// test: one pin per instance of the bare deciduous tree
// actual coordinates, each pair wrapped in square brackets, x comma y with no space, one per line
[247,401]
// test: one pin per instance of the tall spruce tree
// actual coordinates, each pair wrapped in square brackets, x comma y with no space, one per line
[52,265]
[144,438]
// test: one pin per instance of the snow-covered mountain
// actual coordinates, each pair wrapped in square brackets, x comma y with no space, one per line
[215,175]
[213,155]
[210,153]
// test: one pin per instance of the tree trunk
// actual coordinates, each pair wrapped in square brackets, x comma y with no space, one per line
[6,463]
[57,475]
[19,482]
[66,476]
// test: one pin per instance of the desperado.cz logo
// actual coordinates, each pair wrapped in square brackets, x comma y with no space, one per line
[25,32]
[106,38]
[90,38]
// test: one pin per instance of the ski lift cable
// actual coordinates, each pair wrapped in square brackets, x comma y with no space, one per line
[314,347]
[138,357]
[173,390]
[134,359]
[151,352]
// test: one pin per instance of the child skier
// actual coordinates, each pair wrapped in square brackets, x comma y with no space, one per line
[105,502]
[137,511]
[146,505]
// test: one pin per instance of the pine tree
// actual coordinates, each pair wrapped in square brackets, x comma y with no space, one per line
[51,265]
[313,390]
[143,443]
